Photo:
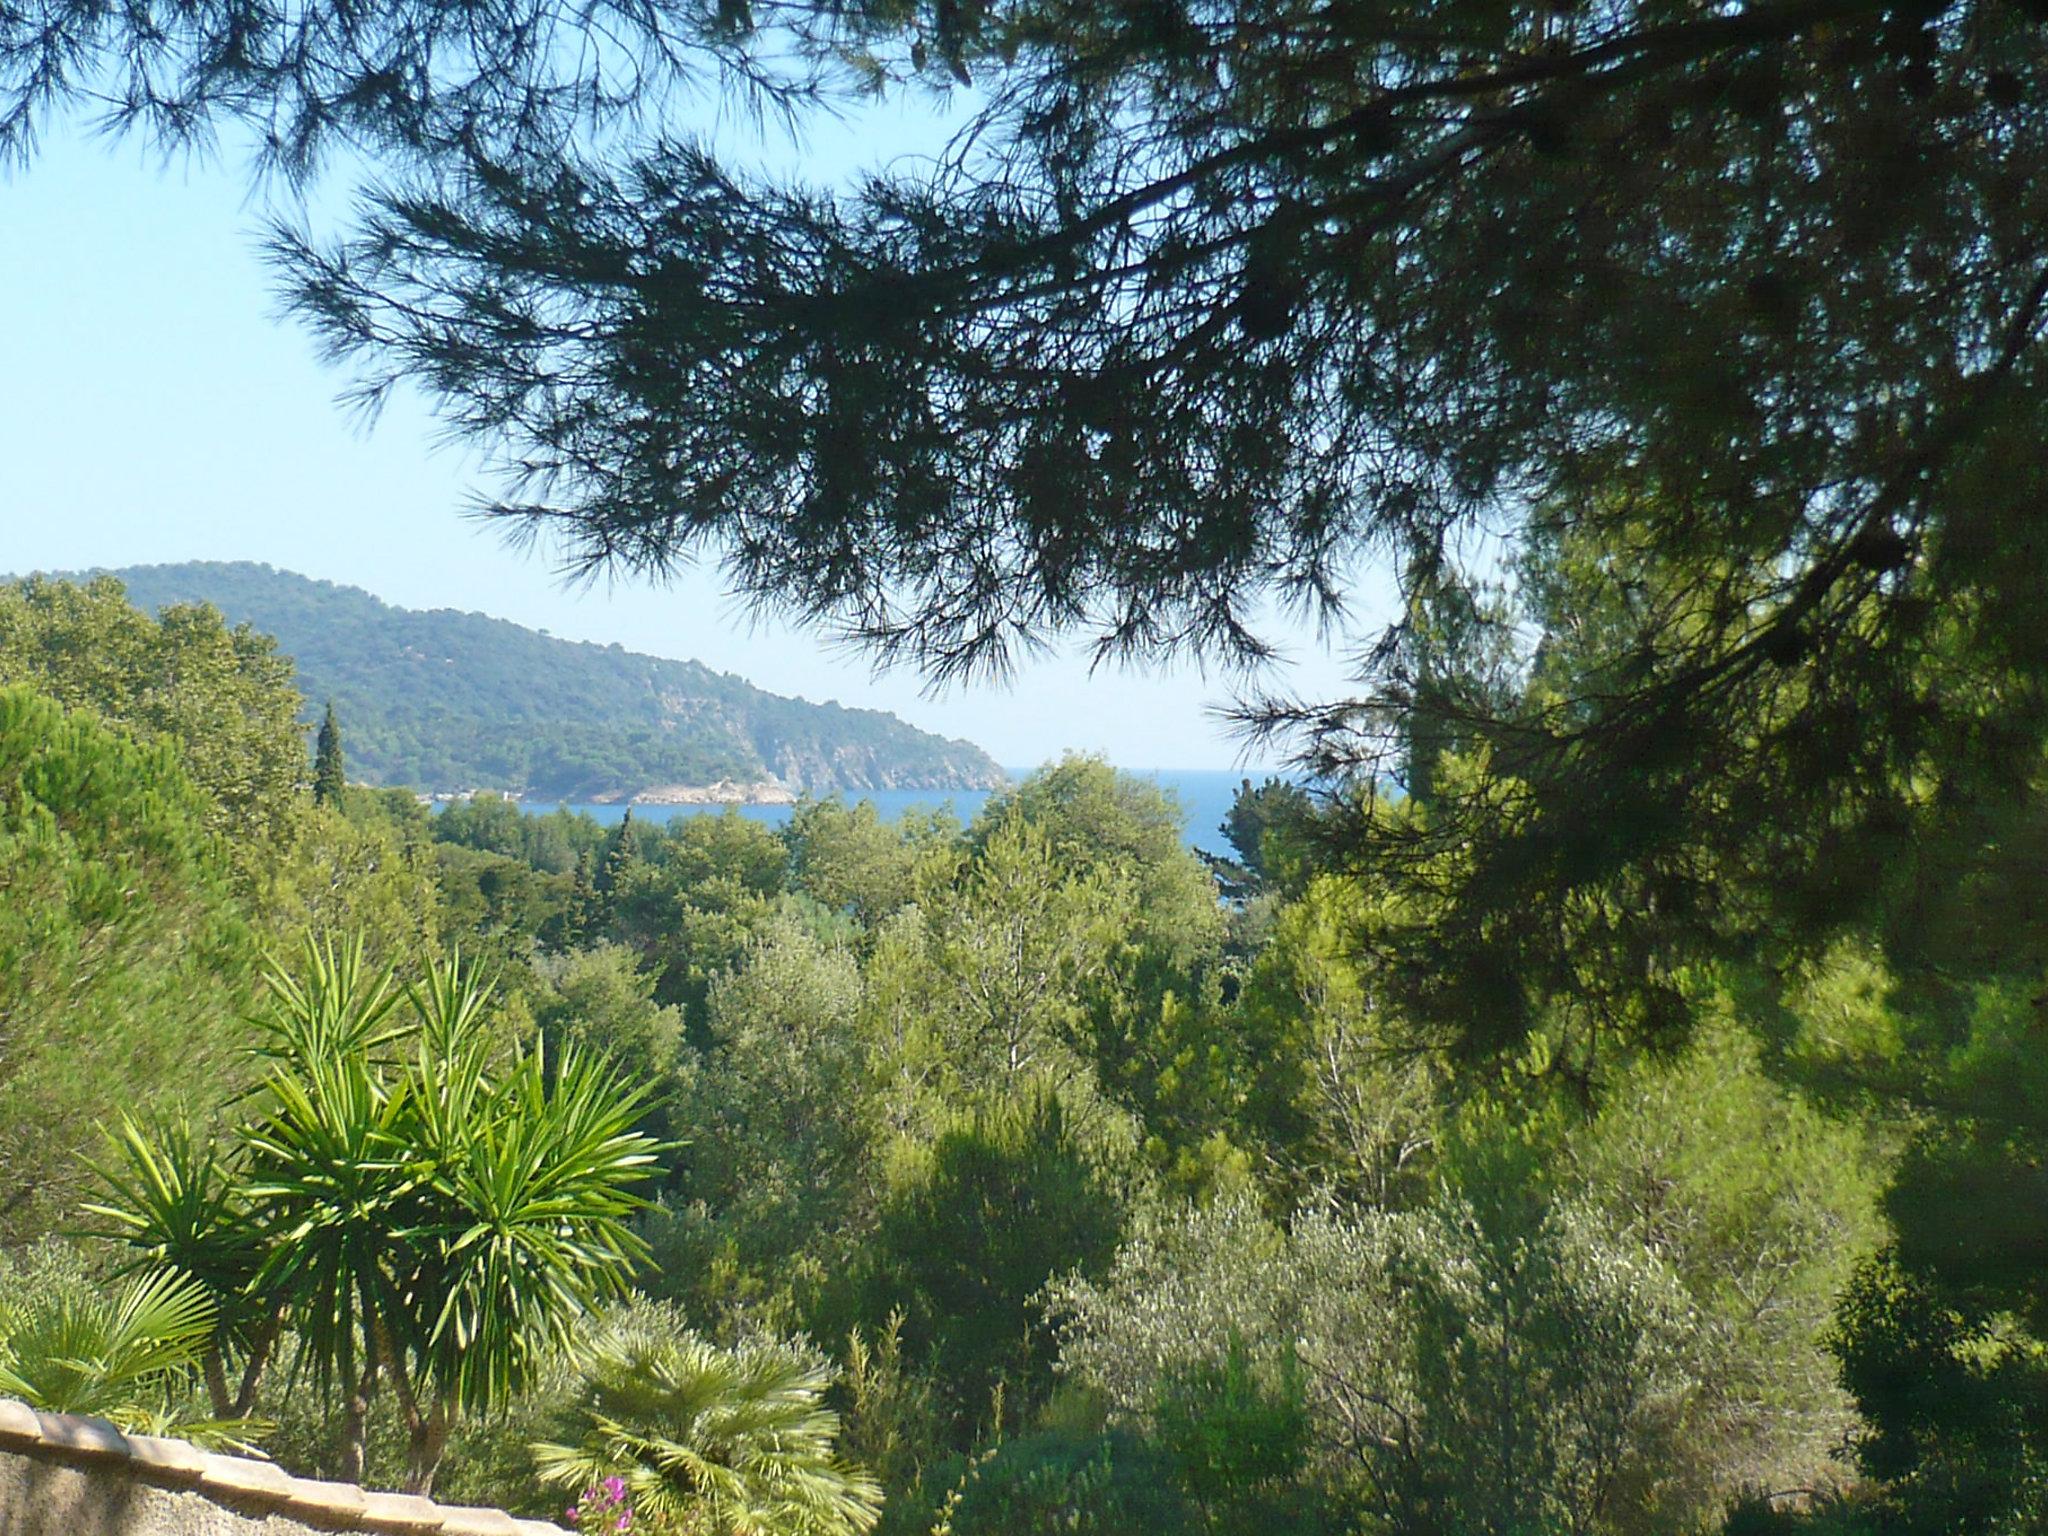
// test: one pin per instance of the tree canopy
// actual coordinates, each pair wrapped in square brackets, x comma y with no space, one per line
[224,695]
[330,775]
[1018,1163]
[122,953]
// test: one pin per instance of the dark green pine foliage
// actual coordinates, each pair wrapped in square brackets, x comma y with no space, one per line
[1262,820]
[583,899]
[1386,283]
[1008,1200]
[619,857]
[612,875]
[1420,288]
[329,778]
[1943,1339]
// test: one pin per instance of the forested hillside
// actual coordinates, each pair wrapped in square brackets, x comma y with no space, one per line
[446,701]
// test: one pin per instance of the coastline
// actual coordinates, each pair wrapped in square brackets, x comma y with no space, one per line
[762,792]
[724,792]
[1205,797]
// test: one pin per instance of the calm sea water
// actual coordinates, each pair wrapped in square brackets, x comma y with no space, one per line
[1204,797]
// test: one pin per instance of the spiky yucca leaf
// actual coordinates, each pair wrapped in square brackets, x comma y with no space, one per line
[338,1006]
[174,1197]
[334,1175]
[452,1004]
[527,1212]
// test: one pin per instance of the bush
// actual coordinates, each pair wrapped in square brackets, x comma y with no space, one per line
[1003,1203]
[1055,1485]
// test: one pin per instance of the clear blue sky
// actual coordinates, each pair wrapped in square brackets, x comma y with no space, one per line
[157,410]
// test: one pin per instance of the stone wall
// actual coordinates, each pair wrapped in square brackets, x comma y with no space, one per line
[66,1476]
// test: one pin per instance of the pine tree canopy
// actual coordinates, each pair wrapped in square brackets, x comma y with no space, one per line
[1722,321]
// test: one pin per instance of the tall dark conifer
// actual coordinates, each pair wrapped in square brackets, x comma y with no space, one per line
[624,849]
[584,902]
[329,777]
[618,861]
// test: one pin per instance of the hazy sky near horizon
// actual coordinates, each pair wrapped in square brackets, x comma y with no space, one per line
[158,410]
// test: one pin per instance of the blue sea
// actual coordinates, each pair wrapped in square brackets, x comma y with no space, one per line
[1204,796]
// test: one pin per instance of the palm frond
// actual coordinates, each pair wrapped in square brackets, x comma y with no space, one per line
[733,1442]
[123,1358]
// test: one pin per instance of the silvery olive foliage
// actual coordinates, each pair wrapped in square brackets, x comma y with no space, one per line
[777,1107]
[1463,1364]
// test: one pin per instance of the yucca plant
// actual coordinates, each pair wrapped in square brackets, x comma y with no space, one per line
[332,1181]
[710,1441]
[529,1204]
[520,1222]
[130,1358]
[443,1210]
[433,1208]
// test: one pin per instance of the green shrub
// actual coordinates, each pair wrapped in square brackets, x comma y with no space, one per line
[1055,1485]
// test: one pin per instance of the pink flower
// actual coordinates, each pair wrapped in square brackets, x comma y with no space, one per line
[616,1487]
[625,1521]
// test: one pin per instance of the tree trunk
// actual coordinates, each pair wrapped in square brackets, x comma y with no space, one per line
[252,1368]
[429,1443]
[426,1429]
[217,1383]
[355,1421]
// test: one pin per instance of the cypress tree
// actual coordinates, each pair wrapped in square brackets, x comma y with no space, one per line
[328,776]
[619,857]
[583,910]
[611,873]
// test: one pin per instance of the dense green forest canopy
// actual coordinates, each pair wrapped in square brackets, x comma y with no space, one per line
[447,701]
[1024,1176]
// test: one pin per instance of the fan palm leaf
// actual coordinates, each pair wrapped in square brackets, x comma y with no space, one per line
[724,1442]
[121,1358]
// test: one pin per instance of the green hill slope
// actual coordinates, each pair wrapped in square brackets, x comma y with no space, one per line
[447,701]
